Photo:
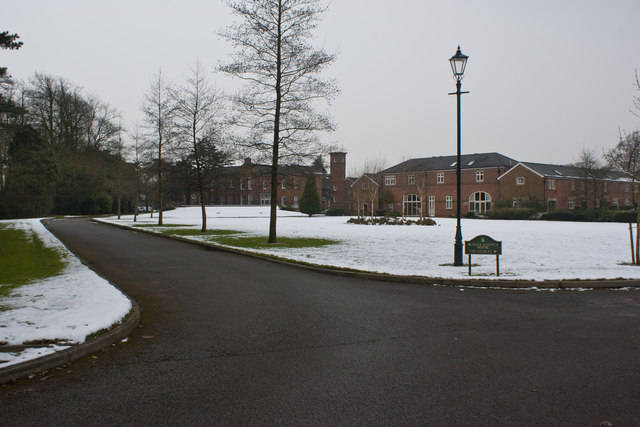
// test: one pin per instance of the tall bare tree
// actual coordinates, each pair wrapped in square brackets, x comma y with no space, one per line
[590,167]
[197,105]
[159,115]
[274,58]
[625,157]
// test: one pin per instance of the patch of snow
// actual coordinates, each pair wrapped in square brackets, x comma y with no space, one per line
[63,309]
[531,250]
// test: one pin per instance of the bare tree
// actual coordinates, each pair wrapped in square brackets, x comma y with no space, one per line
[159,121]
[625,157]
[590,167]
[422,193]
[636,99]
[196,106]
[280,68]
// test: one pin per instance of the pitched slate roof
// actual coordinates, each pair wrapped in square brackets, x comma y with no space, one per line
[468,161]
[560,171]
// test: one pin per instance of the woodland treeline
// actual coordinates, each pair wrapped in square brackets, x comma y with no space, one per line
[64,151]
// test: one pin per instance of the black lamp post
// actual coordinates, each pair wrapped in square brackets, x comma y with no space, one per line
[458,64]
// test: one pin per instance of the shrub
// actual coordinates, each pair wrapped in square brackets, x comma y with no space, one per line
[391,221]
[334,212]
[512,213]
[563,216]
[629,217]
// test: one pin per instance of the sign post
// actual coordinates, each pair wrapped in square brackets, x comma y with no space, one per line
[484,245]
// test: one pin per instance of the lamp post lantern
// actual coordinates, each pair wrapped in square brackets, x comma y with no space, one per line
[458,64]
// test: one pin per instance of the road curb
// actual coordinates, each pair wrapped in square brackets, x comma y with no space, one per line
[422,280]
[60,358]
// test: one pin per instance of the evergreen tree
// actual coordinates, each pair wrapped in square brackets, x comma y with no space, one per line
[310,202]
[31,176]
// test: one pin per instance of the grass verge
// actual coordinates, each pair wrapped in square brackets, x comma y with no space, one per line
[24,258]
[192,232]
[160,226]
[260,242]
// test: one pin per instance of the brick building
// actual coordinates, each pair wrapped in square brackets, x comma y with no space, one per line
[250,184]
[429,185]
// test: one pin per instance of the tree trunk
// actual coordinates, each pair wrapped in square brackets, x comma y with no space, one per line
[276,135]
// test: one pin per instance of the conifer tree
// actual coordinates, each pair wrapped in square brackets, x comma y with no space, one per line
[310,203]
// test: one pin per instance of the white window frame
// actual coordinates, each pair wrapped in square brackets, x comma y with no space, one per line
[242,183]
[480,176]
[520,180]
[390,180]
[250,184]
[264,184]
[440,178]
[448,202]
[283,184]
[411,179]
[551,184]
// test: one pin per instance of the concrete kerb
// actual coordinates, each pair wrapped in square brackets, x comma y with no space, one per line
[75,352]
[421,280]
[61,358]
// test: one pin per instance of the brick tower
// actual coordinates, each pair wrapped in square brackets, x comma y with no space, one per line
[337,176]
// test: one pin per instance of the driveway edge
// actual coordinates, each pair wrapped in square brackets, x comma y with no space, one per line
[421,280]
[60,358]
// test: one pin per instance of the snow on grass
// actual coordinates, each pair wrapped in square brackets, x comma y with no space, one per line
[531,250]
[57,311]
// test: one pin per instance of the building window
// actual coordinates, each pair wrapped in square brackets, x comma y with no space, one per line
[480,202]
[390,207]
[250,183]
[520,180]
[284,185]
[230,199]
[283,201]
[412,205]
[448,202]
[295,183]
[364,185]
[440,178]
[242,184]
[295,201]
[265,199]
[571,203]
[241,199]
[335,187]
[573,186]
[614,203]
[264,184]
[604,187]
[411,179]
[250,199]
[390,180]
[552,184]
[479,176]
[230,183]
[553,204]
[335,199]
[582,185]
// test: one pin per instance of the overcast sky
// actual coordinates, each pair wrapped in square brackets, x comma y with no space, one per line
[547,78]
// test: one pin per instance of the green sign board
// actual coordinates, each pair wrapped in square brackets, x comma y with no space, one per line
[483,245]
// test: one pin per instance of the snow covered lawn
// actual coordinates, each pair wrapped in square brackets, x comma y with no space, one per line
[58,311]
[531,250]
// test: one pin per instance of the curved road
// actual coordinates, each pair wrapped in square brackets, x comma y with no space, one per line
[232,340]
